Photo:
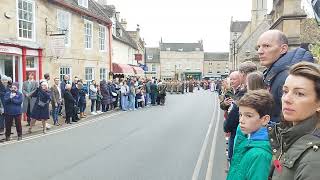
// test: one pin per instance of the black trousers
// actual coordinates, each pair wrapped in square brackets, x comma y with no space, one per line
[9,120]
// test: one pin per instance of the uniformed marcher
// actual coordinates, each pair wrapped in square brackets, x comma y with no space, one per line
[295,141]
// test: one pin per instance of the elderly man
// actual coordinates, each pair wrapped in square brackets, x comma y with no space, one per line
[235,82]
[272,47]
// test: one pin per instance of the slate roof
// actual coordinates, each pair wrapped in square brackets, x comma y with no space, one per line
[155,53]
[125,38]
[181,47]
[238,26]
[213,56]
[94,8]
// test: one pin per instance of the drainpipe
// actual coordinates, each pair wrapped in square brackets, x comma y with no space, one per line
[110,49]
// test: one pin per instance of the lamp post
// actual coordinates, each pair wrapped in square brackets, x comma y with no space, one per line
[234,49]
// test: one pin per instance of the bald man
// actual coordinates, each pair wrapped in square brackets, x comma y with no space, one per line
[272,47]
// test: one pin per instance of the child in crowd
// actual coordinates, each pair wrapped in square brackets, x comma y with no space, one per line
[139,98]
[252,151]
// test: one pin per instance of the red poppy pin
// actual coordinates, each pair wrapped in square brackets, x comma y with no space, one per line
[277,165]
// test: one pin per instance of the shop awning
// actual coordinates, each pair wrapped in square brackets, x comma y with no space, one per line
[122,69]
[138,70]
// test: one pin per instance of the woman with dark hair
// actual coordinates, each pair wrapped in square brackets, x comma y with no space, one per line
[40,109]
[82,99]
[255,81]
[295,141]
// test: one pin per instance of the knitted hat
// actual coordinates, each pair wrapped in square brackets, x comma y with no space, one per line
[16,84]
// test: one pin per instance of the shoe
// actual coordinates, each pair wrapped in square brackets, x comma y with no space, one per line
[99,112]
[93,113]
[19,138]
[7,139]
[29,131]
[44,131]
[74,120]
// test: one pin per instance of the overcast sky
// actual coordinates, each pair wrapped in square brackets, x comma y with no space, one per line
[185,21]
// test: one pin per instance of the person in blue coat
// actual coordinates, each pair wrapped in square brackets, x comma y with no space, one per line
[12,110]
[40,111]
[273,53]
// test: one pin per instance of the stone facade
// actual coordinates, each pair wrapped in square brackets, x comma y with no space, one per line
[216,64]
[76,60]
[181,60]
[153,63]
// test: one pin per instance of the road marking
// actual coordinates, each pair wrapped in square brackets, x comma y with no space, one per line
[213,148]
[60,130]
[204,146]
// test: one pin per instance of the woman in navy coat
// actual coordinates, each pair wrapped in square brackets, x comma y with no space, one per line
[40,110]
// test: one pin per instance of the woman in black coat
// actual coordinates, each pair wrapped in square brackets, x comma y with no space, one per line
[70,105]
[40,111]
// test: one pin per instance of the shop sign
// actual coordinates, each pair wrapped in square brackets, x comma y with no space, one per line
[32,52]
[10,50]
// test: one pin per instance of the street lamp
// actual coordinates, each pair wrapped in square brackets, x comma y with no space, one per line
[234,49]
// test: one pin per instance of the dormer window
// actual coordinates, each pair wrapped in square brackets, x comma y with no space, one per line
[83,3]
[181,49]
[167,49]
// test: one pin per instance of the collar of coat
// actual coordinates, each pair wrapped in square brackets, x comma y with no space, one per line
[292,134]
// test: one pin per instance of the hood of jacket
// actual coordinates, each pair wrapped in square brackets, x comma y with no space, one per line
[259,139]
[285,61]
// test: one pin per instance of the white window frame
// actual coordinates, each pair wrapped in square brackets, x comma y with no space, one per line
[61,75]
[68,32]
[104,38]
[153,68]
[87,75]
[33,33]
[103,75]
[83,3]
[85,34]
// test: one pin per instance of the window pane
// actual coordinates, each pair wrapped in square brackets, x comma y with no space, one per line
[19,4]
[24,5]
[25,33]
[29,7]
[20,33]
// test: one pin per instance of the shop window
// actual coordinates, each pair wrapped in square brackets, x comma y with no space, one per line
[88,34]
[102,38]
[30,62]
[89,74]
[65,71]
[26,19]
[103,73]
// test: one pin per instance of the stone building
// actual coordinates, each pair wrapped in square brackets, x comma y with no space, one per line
[181,60]
[58,37]
[153,63]
[127,47]
[242,45]
[216,65]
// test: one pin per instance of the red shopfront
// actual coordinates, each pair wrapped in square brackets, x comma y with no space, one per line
[17,61]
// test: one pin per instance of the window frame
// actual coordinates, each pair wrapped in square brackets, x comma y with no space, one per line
[61,76]
[33,31]
[68,32]
[85,34]
[103,74]
[86,75]
[153,68]
[100,39]
[83,3]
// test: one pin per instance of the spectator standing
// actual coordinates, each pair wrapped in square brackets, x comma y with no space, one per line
[124,90]
[70,105]
[56,101]
[12,110]
[273,53]
[28,88]
[3,90]
[40,111]
[99,99]
[82,99]
[132,95]
[93,96]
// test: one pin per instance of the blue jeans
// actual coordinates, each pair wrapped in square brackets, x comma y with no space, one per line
[147,100]
[124,102]
[82,107]
[55,114]
[2,121]
[132,101]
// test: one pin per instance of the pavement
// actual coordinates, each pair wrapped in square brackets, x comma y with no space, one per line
[178,141]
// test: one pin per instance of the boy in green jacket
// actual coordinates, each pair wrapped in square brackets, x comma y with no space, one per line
[252,151]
